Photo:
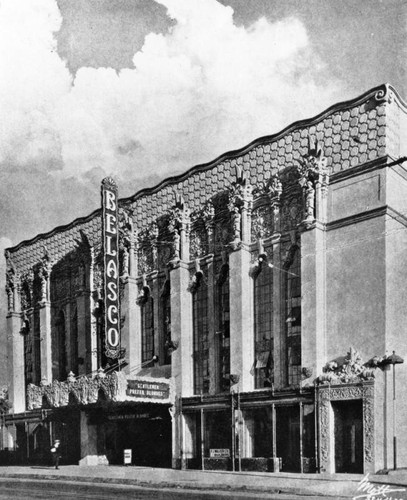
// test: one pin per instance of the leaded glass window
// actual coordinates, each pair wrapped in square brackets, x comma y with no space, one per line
[293,317]
[263,327]
[200,334]
[147,330]
[223,330]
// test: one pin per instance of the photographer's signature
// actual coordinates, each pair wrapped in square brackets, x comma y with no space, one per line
[374,492]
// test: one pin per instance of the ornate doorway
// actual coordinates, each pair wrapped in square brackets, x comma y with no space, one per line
[348,436]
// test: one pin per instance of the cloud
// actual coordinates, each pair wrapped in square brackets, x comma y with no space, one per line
[203,87]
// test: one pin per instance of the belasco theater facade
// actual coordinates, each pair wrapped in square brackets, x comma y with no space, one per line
[249,314]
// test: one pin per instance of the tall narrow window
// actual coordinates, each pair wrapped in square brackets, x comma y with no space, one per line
[223,330]
[263,327]
[147,330]
[201,347]
[166,322]
[74,344]
[59,348]
[293,316]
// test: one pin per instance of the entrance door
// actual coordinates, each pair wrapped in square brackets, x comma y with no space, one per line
[148,435]
[348,418]
[288,437]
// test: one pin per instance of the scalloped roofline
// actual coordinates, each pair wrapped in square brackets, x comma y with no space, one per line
[380,92]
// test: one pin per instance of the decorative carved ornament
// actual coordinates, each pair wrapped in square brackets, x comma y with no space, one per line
[314,174]
[340,382]
[351,371]
[11,282]
[179,221]
[240,197]
[363,391]
[85,390]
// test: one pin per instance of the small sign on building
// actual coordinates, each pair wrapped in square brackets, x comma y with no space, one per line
[149,390]
[127,454]
[219,453]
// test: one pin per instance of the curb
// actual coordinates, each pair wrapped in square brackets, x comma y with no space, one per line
[173,485]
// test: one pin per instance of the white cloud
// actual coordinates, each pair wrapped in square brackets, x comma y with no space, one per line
[203,88]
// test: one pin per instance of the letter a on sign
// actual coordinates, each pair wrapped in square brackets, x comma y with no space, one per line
[111,266]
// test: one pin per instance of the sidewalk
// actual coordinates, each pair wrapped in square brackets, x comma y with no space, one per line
[327,485]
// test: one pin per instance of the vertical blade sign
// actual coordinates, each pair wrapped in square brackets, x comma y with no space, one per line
[111,267]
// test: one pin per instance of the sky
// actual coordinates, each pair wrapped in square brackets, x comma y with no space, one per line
[144,89]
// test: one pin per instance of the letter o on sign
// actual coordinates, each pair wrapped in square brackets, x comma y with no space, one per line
[113,337]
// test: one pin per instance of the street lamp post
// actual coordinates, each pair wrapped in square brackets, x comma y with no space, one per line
[394,360]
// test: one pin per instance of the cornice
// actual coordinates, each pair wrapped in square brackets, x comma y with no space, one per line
[380,93]
[354,219]
[58,229]
[359,169]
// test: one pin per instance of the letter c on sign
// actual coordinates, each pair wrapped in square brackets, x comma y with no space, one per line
[110,312]
[113,337]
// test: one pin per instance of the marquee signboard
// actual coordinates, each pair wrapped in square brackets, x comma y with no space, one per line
[111,267]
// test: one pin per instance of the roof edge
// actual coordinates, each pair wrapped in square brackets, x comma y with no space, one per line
[380,93]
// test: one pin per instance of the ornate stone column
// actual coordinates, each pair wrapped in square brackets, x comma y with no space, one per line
[181,329]
[314,177]
[15,341]
[241,286]
[130,310]
[44,273]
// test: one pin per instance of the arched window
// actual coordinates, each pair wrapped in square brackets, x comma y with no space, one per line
[200,334]
[223,328]
[263,326]
[293,315]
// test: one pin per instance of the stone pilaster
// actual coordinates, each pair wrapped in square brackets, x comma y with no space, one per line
[313,291]
[46,349]
[314,178]
[278,316]
[181,330]
[241,319]
[15,349]
[131,330]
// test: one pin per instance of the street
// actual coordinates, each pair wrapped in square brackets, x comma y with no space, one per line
[23,489]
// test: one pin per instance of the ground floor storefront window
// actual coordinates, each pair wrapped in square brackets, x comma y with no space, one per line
[265,437]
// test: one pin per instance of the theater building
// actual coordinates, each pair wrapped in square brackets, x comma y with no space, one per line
[239,316]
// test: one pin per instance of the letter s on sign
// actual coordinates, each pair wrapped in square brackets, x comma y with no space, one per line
[113,291]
